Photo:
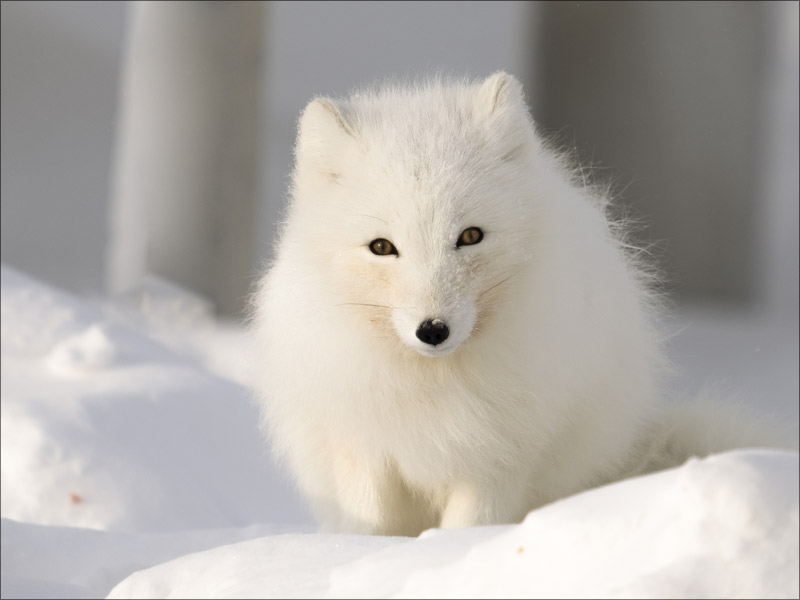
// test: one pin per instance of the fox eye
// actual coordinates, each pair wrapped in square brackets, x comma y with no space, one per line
[469,237]
[382,247]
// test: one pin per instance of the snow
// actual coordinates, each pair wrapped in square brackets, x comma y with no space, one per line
[105,428]
[132,465]
[673,534]
[62,562]
[721,527]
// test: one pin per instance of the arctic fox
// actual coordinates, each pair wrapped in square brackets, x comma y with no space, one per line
[452,332]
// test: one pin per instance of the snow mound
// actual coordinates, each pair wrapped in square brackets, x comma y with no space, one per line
[42,561]
[105,427]
[285,566]
[726,526]
[723,527]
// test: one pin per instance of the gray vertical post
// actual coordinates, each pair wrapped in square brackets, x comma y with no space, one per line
[664,96]
[184,184]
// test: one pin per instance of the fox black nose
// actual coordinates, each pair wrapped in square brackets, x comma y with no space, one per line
[433,331]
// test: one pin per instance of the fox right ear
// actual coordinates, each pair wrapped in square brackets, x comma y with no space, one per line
[322,137]
[498,91]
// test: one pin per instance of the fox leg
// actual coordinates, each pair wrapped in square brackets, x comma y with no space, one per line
[373,499]
[469,504]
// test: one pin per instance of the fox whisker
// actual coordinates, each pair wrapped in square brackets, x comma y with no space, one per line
[499,283]
[365,304]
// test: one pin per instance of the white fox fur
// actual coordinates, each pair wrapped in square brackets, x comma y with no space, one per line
[547,383]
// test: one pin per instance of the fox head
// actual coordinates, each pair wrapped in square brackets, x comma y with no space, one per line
[415,206]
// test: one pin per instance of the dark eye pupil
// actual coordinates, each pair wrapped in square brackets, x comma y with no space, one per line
[470,236]
[382,247]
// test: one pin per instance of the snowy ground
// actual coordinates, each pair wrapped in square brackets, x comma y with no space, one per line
[132,465]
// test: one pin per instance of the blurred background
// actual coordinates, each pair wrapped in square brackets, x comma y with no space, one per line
[155,138]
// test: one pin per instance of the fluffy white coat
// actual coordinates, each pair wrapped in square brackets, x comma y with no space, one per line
[547,383]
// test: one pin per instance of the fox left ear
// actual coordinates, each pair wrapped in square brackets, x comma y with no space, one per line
[498,91]
[324,138]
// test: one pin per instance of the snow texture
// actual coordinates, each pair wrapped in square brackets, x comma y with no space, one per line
[133,466]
